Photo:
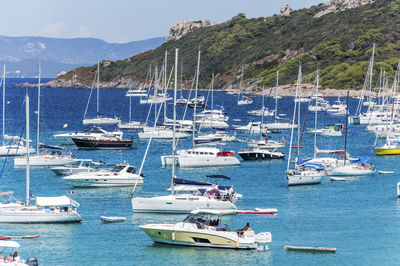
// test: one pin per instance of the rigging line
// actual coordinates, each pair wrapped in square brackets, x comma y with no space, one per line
[90,95]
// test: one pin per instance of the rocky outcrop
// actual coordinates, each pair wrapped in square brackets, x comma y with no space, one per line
[184,27]
[340,5]
[286,10]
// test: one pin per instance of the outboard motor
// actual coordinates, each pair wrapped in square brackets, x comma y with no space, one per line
[32,261]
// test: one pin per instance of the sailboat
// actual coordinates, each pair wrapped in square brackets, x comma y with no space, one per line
[60,209]
[244,100]
[302,174]
[178,203]
[55,158]
[100,119]
[278,123]
[360,167]
[17,146]
[131,125]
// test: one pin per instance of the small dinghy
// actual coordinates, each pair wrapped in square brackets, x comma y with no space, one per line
[258,211]
[313,249]
[337,178]
[20,237]
[112,219]
[386,172]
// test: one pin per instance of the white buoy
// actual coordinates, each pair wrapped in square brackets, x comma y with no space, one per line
[65,125]
[398,189]
[8,102]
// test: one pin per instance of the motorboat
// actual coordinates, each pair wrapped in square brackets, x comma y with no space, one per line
[76,167]
[215,115]
[206,157]
[182,101]
[252,128]
[102,120]
[136,93]
[162,133]
[260,154]
[245,101]
[132,125]
[120,176]
[391,147]
[204,228]
[261,112]
[209,123]
[278,126]
[94,132]
[217,137]
[11,247]
[199,102]
[328,131]
[302,100]
[109,143]
[267,143]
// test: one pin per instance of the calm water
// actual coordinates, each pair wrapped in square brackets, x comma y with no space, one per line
[360,217]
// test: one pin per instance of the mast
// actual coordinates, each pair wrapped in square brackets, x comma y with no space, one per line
[155,91]
[4,101]
[293,120]
[316,116]
[345,136]
[195,97]
[165,86]
[298,114]
[98,86]
[276,96]
[27,147]
[38,117]
[174,123]
[212,101]
[130,105]
[371,72]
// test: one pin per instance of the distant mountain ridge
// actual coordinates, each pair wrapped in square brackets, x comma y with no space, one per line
[23,54]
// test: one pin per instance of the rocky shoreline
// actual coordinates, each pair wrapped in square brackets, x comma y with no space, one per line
[284,90]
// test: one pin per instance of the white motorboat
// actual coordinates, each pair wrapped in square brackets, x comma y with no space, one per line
[252,128]
[120,176]
[60,209]
[261,112]
[278,126]
[162,133]
[302,100]
[94,132]
[136,93]
[132,125]
[77,167]
[206,157]
[113,219]
[11,247]
[215,115]
[328,131]
[266,144]
[245,101]
[208,123]
[218,137]
[204,228]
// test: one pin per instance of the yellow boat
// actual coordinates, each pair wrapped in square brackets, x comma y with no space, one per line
[203,228]
[387,151]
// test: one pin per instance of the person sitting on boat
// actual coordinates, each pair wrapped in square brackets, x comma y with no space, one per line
[10,258]
[244,229]
[16,257]
[2,258]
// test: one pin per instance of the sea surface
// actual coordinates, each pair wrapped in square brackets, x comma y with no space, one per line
[360,217]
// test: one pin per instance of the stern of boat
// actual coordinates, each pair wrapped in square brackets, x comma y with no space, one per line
[263,240]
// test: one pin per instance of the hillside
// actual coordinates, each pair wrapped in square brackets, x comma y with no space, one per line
[340,43]
[22,54]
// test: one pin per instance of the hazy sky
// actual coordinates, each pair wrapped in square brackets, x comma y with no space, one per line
[124,20]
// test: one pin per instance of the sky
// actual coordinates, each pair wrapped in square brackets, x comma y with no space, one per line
[124,20]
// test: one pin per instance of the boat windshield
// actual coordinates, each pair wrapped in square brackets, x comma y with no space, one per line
[117,168]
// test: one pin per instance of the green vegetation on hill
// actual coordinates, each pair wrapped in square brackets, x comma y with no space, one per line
[340,44]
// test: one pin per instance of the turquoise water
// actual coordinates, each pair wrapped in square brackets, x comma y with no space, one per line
[360,217]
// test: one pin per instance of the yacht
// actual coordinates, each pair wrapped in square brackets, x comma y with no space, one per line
[206,157]
[162,133]
[120,176]
[204,228]
[260,154]
[136,93]
[110,143]
[79,166]
[94,132]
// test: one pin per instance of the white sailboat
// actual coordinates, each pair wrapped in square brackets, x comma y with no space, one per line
[131,125]
[45,158]
[178,203]
[301,175]
[60,209]
[244,100]
[16,145]
[99,119]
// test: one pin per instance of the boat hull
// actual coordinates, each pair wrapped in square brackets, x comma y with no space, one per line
[383,151]
[33,217]
[42,161]
[207,161]
[101,121]
[103,181]
[102,144]
[260,155]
